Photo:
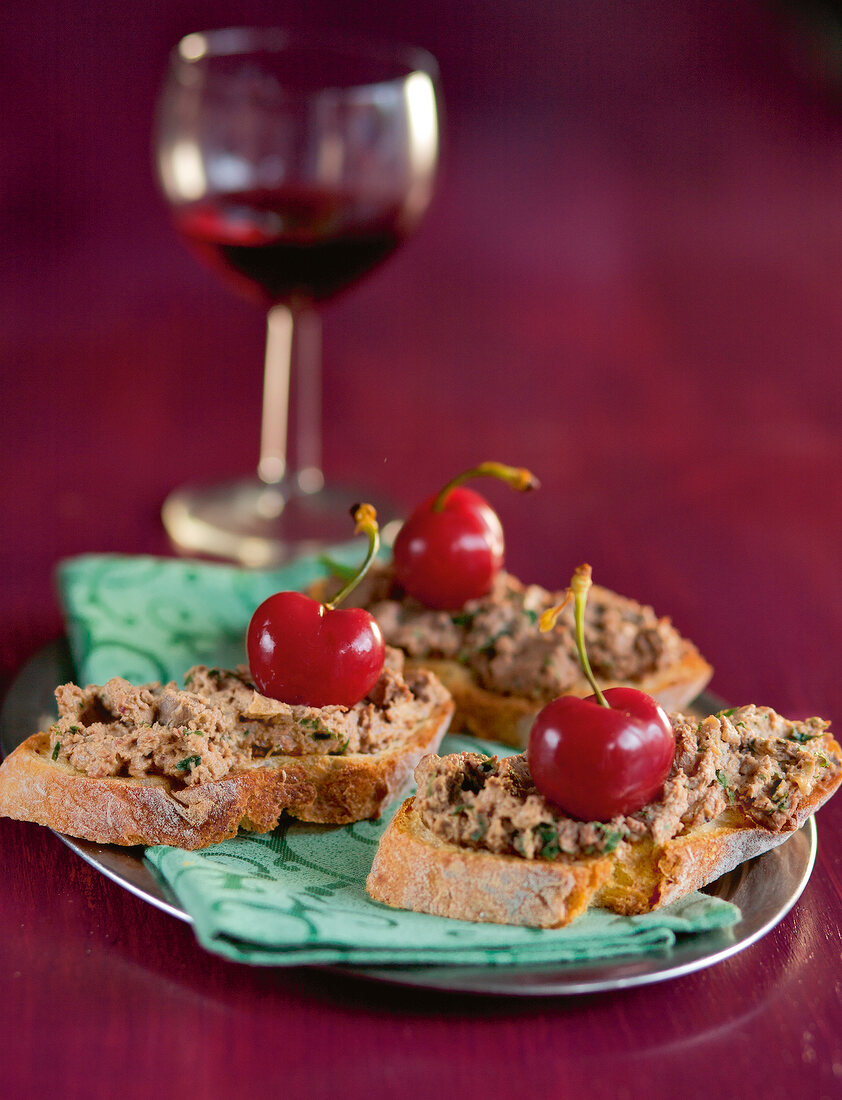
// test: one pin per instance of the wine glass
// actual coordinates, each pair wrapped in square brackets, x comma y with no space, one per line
[293,165]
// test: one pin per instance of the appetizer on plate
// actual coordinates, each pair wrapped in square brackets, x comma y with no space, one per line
[613,805]
[479,841]
[159,765]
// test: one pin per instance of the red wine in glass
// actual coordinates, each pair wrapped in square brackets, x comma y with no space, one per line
[291,243]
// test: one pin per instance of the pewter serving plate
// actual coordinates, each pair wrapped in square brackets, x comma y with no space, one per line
[764,889]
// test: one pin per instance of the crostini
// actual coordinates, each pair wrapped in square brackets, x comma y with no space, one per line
[479,841]
[188,767]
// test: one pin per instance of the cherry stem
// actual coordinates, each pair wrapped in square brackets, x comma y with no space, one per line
[515,476]
[578,592]
[580,585]
[365,519]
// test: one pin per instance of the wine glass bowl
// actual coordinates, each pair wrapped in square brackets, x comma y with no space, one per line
[292,166]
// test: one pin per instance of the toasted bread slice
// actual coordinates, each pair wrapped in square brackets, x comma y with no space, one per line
[508,718]
[415,869]
[154,810]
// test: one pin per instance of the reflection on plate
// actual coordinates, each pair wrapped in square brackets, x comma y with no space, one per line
[765,888]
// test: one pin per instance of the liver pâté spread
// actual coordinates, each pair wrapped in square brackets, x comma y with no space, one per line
[218,723]
[747,757]
[498,639]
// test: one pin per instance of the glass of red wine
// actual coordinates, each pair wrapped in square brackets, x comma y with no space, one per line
[293,165]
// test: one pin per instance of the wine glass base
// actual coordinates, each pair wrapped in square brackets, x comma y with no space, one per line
[260,526]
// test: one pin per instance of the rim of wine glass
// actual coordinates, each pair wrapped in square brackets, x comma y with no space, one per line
[199,46]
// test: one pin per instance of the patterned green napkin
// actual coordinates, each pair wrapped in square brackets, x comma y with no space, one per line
[297,896]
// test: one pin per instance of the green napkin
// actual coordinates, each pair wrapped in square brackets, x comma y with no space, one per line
[297,896]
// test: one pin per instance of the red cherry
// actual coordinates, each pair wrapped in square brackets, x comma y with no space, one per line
[448,557]
[595,762]
[451,548]
[301,651]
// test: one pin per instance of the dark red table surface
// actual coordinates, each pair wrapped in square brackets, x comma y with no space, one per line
[631,282]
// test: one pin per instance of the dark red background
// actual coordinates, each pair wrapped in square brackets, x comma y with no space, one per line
[631,282]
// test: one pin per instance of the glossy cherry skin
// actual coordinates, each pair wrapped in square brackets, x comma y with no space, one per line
[302,652]
[445,558]
[596,762]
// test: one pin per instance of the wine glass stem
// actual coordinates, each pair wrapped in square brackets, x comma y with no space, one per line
[308,398]
[292,368]
[276,384]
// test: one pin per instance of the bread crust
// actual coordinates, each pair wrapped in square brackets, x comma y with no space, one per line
[152,810]
[416,869]
[509,718]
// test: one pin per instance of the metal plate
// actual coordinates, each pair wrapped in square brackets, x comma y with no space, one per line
[765,888]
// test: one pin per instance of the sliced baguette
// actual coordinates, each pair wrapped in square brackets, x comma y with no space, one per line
[508,718]
[154,810]
[415,869]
